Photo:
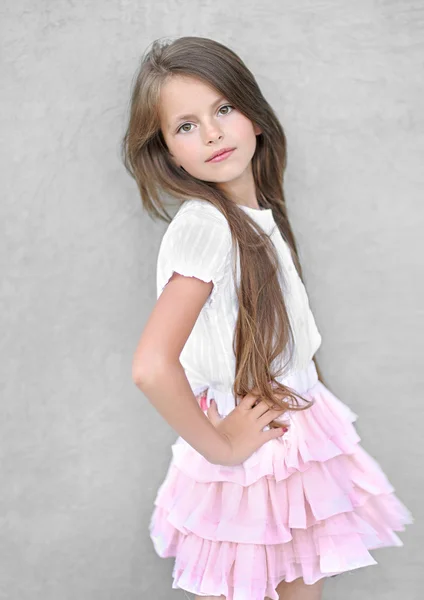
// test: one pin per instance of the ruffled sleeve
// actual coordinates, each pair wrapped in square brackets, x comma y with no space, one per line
[196,244]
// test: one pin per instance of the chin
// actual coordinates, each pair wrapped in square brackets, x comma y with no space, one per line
[226,175]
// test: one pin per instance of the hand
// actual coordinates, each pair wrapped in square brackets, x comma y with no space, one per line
[242,428]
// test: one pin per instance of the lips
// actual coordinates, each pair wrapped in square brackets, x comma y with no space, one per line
[219,152]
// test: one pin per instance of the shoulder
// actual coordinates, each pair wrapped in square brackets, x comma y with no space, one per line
[196,243]
[196,209]
[195,223]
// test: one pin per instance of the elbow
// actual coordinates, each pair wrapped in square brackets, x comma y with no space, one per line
[145,372]
[141,374]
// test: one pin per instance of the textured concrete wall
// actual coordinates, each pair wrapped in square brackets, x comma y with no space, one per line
[82,452]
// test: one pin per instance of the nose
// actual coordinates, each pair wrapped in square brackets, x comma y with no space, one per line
[212,133]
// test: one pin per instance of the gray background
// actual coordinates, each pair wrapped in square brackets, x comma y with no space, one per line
[82,451]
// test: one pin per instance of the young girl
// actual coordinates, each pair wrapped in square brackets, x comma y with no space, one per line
[268,491]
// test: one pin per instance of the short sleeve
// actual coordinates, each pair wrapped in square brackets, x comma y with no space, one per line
[196,244]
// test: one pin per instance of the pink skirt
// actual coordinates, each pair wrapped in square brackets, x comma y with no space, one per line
[310,504]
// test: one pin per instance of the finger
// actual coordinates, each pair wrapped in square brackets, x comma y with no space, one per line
[249,399]
[212,412]
[271,415]
[262,409]
[273,434]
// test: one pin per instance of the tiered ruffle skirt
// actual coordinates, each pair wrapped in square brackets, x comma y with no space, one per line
[310,504]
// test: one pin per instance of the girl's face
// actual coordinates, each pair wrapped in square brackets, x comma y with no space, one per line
[196,121]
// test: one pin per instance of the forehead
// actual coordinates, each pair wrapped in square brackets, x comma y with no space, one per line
[185,95]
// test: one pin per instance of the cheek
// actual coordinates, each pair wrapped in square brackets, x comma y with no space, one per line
[244,127]
[186,148]
[179,147]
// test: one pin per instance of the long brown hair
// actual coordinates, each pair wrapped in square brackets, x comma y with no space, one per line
[263,332]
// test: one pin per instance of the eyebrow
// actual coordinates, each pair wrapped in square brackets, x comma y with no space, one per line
[190,116]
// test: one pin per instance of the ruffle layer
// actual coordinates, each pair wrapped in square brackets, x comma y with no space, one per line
[241,571]
[318,433]
[322,499]
[310,504]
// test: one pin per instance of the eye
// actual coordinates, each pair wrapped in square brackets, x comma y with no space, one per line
[180,129]
[226,106]
[185,130]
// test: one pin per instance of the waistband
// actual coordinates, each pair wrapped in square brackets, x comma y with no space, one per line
[300,381]
[303,380]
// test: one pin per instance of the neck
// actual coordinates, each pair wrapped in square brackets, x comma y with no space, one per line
[242,190]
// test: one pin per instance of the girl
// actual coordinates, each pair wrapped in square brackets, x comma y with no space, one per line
[268,491]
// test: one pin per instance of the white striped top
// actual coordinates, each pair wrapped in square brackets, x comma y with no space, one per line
[197,243]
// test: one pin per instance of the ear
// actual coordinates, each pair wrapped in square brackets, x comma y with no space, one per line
[171,156]
[257,129]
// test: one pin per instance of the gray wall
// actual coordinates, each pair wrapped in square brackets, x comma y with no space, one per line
[82,452]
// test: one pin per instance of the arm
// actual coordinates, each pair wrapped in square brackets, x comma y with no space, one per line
[158,372]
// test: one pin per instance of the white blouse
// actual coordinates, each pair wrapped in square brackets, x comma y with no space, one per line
[197,243]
